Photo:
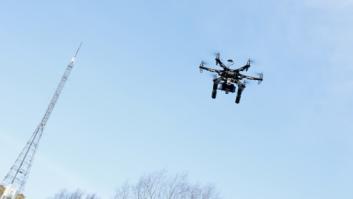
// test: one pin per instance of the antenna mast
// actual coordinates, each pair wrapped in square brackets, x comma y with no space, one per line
[15,181]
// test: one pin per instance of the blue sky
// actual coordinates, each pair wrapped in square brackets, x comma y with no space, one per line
[136,103]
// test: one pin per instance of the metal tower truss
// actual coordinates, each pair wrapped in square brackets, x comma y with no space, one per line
[16,179]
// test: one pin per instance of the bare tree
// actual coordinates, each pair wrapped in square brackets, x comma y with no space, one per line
[156,185]
[159,186]
[74,195]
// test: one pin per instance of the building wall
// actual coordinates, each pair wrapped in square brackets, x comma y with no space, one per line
[20,196]
[2,189]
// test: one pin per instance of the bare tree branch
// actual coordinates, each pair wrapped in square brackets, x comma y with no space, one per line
[74,195]
[159,186]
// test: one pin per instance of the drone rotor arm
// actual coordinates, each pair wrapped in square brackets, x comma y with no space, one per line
[209,69]
[219,61]
[245,67]
[252,78]
[259,79]
[221,64]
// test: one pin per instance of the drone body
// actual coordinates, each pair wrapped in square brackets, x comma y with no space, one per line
[228,79]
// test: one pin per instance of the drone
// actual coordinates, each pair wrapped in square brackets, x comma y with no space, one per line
[226,78]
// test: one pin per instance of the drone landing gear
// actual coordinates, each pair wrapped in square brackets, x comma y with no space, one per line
[240,90]
[214,90]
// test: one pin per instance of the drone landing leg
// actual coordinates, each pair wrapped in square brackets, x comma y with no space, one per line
[214,89]
[240,90]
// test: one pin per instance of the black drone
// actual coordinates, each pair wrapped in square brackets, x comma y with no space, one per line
[226,78]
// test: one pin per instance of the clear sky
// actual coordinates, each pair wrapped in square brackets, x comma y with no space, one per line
[136,102]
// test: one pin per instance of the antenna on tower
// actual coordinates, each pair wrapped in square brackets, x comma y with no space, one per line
[14,182]
[78,50]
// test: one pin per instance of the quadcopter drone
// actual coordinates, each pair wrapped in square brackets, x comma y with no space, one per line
[226,78]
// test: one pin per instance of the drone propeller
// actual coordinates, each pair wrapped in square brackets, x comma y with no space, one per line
[246,82]
[248,63]
[261,77]
[202,64]
[251,61]
[218,56]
